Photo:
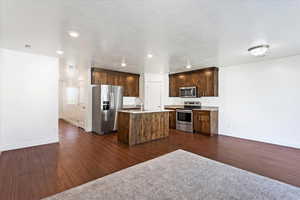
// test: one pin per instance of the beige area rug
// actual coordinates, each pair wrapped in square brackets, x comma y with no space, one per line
[181,175]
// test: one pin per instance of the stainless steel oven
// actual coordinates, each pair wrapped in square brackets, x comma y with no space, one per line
[184,120]
[190,92]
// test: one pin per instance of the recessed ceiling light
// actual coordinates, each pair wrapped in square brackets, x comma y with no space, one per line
[123,64]
[59,52]
[259,50]
[188,66]
[74,34]
[149,55]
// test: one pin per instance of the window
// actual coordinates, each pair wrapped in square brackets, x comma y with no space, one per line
[72,95]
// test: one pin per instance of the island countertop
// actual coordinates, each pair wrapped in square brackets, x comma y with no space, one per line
[136,111]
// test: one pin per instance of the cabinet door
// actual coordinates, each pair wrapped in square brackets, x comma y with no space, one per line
[209,82]
[188,80]
[135,86]
[181,80]
[116,77]
[99,77]
[110,78]
[198,81]
[196,121]
[176,85]
[204,118]
[202,84]
[122,82]
[172,86]
[172,119]
[132,86]
[126,86]
[210,76]
[202,122]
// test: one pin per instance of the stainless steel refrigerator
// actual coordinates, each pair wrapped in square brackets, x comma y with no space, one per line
[107,100]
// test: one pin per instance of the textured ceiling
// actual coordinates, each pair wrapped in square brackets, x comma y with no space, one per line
[206,32]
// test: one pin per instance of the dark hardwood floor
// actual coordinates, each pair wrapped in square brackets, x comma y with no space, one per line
[38,172]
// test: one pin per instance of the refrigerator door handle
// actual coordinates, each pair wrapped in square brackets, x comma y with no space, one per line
[112,100]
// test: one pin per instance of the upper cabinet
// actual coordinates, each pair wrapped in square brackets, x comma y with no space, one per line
[130,82]
[206,80]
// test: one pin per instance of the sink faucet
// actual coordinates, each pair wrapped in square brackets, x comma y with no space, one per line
[141,102]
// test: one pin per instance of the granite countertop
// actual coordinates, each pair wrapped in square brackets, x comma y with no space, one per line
[208,108]
[142,111]
[203,108]
[173,106]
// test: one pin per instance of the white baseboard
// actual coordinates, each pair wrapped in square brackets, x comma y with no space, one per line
[87,129]
[291,145]
[70,121]
[30,143]
[73,122]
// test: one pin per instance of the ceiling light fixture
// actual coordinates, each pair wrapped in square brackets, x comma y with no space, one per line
[59,52]
[149,55]
[123,63]
[73,34]
[188,64]
[259,50]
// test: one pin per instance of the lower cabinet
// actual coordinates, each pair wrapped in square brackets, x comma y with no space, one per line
[172,119]
[205,122]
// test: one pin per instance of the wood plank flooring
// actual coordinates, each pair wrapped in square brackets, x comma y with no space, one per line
[37,172]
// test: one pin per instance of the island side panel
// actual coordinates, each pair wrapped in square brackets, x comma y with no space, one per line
[135,129]
[123,127]
[148,124]
[146,127]
[166,124]
[160,128]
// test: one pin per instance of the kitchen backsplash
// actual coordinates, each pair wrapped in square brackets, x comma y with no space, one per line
[205,101]
[130,101]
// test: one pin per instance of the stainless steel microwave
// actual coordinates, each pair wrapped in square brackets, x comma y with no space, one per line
[188,92]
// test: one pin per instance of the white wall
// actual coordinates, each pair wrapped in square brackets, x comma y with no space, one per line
[1,91]
[29,99]
[260,101]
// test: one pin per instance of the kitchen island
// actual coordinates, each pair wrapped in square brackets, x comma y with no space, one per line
[140,126]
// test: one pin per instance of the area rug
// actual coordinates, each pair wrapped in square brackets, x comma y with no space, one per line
[181,175]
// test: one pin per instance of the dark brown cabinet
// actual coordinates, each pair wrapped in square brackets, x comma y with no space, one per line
[130,82]
[99,78]
[206,81]
[131,88]
[173,90]
[172,119]
[205,122]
